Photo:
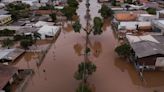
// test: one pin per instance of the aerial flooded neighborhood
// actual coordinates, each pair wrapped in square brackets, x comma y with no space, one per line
[81,45]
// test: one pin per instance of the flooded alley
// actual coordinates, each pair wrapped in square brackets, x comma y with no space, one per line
[113,74]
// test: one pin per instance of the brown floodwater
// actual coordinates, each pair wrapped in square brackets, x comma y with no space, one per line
[113,74]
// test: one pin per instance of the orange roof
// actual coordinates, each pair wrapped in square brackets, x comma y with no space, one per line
[125,17]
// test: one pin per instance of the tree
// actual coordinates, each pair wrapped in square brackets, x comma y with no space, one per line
[25,43]
[84,70]
[47,7]
[53,17]
[69,12]
[123,50]
[106,11]
[151,10]
[18,10]
[77,26]
[7,43]
[113,2]
[17,37]
[7,32]
[98,23]
[83,87]
[128,1]
[72,3]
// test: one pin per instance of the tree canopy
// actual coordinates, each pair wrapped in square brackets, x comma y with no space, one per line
[98,23]
[7,32]
[72,3]
[53,17]
[18,10]
[85,69]
[7,43]
[77,26]
[25,43]
[106,11]
[69,11]
[123,50]
[83,87]
[151,10]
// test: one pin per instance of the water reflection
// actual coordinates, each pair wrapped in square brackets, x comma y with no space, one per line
[96,48]
[78,49]
[31,55]
[68,27]
[106,24]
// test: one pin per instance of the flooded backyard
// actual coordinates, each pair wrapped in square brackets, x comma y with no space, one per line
[113,74]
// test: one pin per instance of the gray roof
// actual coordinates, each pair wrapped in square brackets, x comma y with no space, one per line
[148,48]
[11,54]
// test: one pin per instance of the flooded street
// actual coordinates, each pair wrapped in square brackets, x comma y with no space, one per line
[113,74]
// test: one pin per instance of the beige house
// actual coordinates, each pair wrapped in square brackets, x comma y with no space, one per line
[5,19]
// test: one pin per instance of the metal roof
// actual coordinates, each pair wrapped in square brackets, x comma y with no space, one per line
[146,48]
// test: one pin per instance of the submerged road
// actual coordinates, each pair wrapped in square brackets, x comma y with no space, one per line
[113,73]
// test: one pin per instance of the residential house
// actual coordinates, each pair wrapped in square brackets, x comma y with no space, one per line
[5,19]
[132,21]
[147,51]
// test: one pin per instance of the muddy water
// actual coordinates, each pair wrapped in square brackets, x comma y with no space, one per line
[113,74]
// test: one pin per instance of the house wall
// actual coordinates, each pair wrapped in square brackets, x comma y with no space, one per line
[151,60]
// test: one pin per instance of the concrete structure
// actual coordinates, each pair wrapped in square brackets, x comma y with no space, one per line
[5,19]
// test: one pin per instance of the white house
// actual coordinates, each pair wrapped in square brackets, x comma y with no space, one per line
[146,17]
[132,25]
[48,31]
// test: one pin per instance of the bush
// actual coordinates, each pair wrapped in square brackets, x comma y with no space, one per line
[7,32]
[123,50]
[151,10]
